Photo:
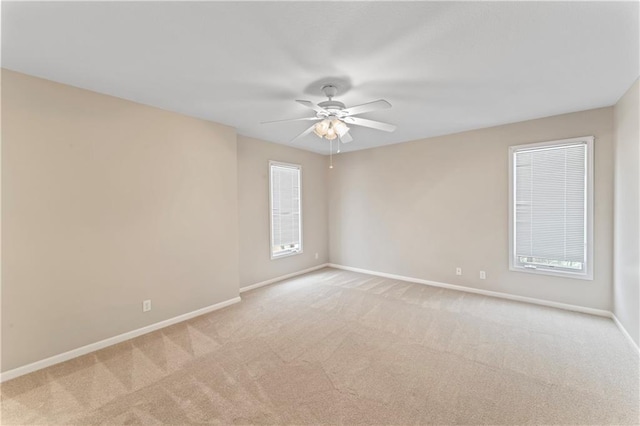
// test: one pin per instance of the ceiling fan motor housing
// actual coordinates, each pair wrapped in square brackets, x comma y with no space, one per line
[333,107]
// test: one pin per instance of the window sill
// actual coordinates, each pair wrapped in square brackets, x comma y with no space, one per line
[287,254]
[563,274]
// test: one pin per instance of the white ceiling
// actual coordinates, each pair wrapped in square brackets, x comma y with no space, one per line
[445,67]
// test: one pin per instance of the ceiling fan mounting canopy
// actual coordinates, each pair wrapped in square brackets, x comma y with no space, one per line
[329,90]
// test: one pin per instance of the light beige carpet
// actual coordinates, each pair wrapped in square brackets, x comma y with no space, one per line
[341,347]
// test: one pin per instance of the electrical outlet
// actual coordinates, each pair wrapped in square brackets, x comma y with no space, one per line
[146,305]
[483,275]
[458,271]
[316,255]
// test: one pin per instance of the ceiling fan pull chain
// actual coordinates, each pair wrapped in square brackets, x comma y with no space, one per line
[331,153]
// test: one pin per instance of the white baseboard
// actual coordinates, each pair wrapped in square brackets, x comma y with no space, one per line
[74,353]
[542,302]
[56,359]
[625,333]
[280,278]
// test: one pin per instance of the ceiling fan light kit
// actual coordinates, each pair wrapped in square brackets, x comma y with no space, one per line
[333,117]
[330,129]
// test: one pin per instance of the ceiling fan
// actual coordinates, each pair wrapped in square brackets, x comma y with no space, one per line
[332,117]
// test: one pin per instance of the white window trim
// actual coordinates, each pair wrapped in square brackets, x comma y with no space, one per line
[588,274]
[293,253]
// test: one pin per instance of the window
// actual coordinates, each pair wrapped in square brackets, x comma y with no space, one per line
[551,208]
[286,220]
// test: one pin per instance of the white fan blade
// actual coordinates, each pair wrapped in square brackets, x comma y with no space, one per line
[346,138]
[303,134]
[312,106]
[378,125]
[292,119]
[368,107]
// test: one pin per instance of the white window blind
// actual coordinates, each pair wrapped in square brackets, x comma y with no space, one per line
[550,207]
[286,223]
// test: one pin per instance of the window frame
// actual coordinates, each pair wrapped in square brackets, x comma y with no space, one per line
[589,201]
[299,168]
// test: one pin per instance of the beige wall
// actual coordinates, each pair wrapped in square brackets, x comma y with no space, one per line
[422,208]
[253,202]
[626,274]
[105,203]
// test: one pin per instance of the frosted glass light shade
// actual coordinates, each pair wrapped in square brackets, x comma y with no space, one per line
[330,128]
[339,127]
[321,128]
